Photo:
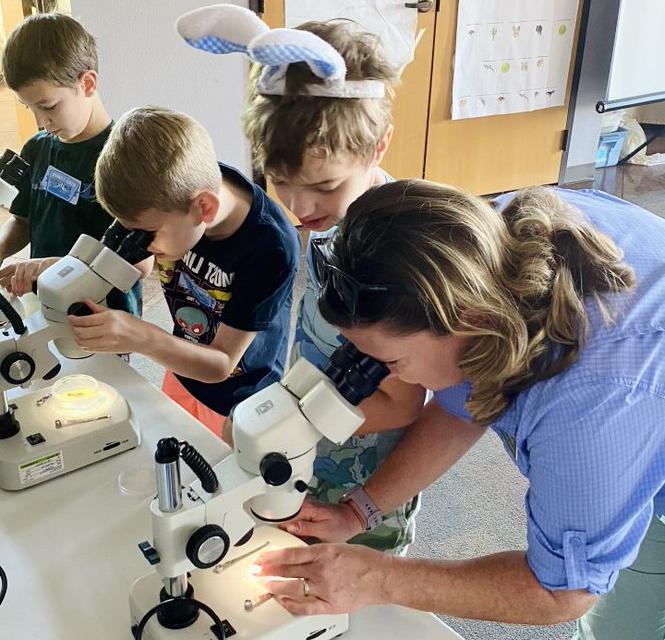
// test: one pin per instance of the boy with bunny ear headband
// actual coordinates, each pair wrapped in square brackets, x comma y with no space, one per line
[318,121]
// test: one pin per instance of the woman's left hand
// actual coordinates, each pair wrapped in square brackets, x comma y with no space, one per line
[324,522]
[334,578]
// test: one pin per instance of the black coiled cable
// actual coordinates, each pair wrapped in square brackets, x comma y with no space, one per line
[200,466]
[12,315]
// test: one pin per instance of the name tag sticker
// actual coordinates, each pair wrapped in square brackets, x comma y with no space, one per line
[62,185]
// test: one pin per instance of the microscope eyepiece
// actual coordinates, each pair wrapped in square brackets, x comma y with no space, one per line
[356,375]
[12,167]
[114,235]
[340,361]
[130,244]
[134,248]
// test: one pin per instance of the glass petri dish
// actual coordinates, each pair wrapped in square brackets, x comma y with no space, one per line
[138,482]
[76,393]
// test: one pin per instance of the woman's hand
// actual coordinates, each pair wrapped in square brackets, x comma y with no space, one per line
[333,578]
[325,522]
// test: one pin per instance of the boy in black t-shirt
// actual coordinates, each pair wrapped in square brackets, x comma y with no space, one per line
[227,255]
[50,62]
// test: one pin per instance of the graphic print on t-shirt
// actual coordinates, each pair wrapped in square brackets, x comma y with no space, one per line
[196,290]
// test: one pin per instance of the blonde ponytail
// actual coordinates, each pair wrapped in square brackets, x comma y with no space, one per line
[555,261]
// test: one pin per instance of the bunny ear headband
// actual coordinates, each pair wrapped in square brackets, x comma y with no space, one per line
[226,28]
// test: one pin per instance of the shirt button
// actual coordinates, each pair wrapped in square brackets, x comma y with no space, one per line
[576,542]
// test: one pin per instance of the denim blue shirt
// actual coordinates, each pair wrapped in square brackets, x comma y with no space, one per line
[591,441]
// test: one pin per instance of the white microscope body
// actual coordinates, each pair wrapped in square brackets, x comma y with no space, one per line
[206,539]
[37,440]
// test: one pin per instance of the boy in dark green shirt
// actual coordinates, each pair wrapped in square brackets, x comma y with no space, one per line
[50,62]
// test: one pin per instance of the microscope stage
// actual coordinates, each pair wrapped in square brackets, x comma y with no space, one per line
[226,588]
[53,442]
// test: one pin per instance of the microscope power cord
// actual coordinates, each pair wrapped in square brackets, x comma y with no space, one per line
[3,584]
[221,634]
[200,466]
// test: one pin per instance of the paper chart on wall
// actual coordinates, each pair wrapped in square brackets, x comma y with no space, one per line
[394,23]
[511,55]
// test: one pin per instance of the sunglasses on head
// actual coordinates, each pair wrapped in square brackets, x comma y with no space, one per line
[345,287]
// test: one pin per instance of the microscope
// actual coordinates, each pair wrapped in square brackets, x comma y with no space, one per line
[206,537]
[55,430]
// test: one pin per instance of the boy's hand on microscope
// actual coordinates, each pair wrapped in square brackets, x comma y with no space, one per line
[325,522]
[108,330]
[18,278]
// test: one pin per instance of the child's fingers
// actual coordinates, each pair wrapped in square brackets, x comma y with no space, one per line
[94,320]
[6,274]
[18,284]
[86,334]
[23,281]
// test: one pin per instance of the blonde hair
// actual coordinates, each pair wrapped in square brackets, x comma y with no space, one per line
[514,283]
[281,129]
[52,47]
[155,158]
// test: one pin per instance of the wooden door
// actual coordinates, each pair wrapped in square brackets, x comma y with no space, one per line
[406,156]
[491,154]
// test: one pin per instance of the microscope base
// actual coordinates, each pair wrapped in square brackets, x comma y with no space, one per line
[51,444]
[225,592]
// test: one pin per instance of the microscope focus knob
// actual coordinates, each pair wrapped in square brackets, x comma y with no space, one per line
[79,309]
[17,368]
[275,469]
[207,546]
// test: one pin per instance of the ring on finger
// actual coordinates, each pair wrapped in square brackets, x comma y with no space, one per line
[305,586]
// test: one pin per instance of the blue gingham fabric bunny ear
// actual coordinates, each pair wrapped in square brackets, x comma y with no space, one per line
[220,28]
[279,47]
[230,29]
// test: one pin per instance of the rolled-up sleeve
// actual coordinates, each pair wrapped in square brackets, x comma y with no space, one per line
[595,459]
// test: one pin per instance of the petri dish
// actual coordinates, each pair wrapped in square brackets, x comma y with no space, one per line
[76,393]
[138,482]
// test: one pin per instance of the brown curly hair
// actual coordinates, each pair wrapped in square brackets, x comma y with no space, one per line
[281,129]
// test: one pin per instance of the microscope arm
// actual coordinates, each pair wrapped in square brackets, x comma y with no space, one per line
[178,535]
[29,355]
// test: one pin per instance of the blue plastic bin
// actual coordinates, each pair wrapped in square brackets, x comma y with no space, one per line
[609,148]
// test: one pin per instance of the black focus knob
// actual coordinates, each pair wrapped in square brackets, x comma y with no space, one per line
[79,309]
[17,367]
[301,486]
[207,546]
[275,469]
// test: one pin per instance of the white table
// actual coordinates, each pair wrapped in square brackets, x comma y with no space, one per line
[69,546]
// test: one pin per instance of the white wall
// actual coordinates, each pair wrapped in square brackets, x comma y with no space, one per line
[637,62]
[144,61]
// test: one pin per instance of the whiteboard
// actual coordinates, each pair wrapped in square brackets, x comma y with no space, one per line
[638,60]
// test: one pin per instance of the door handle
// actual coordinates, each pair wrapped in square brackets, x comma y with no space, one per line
[423,6]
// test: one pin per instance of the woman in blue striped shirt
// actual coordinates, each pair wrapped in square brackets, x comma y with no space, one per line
[542,318]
